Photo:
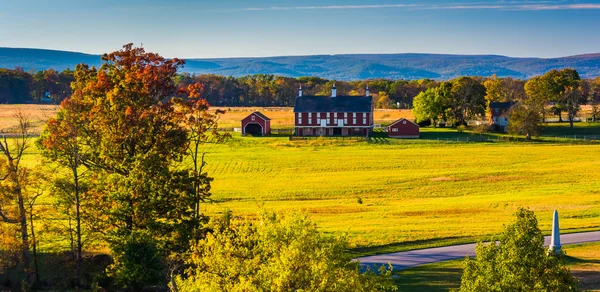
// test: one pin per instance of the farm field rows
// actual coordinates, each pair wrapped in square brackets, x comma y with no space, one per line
[407,195]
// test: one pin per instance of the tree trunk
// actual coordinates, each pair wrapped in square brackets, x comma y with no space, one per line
[560,120]
[24,237]
[34,246]
[78,222]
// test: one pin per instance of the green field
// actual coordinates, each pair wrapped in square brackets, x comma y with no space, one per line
[401,195]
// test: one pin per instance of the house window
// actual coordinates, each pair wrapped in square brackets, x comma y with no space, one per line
[309,118]
[404,122]
[394,129]
[253,118]
[364,118]
[318,118]
[299,118]
[345,118]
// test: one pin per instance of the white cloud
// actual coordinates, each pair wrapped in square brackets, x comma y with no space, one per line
[500,5]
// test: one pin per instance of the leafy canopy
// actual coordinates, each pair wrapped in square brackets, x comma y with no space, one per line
[277,253]
[518,262]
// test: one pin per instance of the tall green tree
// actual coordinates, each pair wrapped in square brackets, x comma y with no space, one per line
[518,262]
[468,100]
[432,104]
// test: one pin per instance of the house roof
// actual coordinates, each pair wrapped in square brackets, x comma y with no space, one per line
[313,104]
[502,105]
[402,119]
[260,115]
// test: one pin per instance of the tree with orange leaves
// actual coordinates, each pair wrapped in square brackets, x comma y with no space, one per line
[132,135]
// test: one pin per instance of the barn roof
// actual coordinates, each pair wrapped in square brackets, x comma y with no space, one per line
[333,104]
[403,119]
[502,105]
[259,114]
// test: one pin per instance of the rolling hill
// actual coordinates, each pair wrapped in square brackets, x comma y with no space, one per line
[341,67]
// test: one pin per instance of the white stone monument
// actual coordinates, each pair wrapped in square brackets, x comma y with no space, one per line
[555,240]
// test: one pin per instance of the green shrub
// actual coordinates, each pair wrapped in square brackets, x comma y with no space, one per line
[277,253]
[138,263]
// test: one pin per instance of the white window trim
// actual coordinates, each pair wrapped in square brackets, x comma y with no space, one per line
[253,118]
[394,129]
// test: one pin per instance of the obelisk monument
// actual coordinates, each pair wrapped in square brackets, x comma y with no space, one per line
[555,240]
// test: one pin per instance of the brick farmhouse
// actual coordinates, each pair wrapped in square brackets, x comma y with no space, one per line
[333,115]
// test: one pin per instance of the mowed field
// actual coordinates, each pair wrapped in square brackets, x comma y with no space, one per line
[406,195]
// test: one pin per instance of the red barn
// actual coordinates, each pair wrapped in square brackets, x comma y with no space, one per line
[256,124]
[403,128]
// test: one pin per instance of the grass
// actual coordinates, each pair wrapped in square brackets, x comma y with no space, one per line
[395,195]
[582,259]
[414,194]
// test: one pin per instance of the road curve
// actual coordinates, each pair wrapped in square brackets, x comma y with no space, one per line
[408,259]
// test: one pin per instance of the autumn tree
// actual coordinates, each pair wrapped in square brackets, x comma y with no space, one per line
[384,101]
[61,142]
[14,197]
[525,119]
[134,141]
[518,262]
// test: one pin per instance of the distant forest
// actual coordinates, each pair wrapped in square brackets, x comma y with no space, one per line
[50,86]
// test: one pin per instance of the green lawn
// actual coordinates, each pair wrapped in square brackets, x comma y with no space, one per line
[582,259]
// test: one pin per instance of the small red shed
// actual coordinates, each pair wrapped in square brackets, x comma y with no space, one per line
[403,128]
[256,124]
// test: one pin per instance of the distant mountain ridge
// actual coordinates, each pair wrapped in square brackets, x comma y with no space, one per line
[341,67]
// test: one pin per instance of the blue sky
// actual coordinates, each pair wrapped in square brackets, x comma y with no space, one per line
[235,28]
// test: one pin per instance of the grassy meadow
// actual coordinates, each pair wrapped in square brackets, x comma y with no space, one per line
[391,195]
[400,196]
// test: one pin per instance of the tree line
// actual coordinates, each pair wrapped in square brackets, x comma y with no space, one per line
[556,93]
[19,86]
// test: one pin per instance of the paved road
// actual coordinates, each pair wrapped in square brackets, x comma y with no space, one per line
[413,258]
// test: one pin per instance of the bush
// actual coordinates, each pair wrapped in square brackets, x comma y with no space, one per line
[461,128]
[138,263]
[424,123]
[518,263]
[278,253]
